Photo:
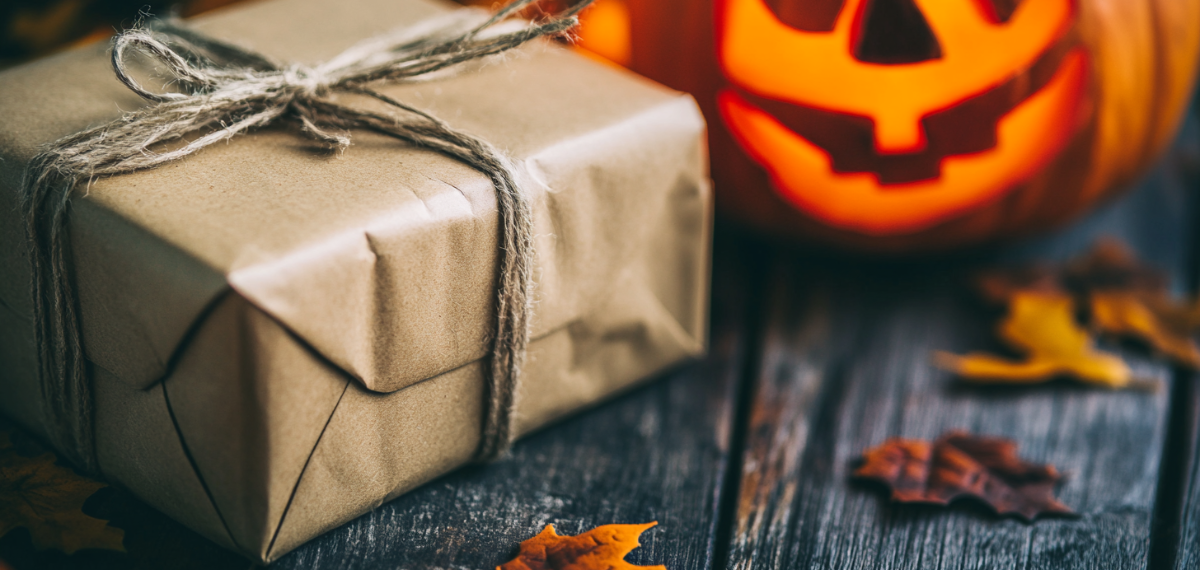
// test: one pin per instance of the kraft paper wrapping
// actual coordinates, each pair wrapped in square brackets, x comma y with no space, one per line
[265,321]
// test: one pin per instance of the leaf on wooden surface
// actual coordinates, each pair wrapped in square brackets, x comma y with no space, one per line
[999,286]
[1125,313]
[47,499]
[602,548]
[1181,317]
[1042,325]
[1130,298]
[959,464]
[1110,264]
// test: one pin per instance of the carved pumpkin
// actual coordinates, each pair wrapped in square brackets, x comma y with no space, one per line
[902,124]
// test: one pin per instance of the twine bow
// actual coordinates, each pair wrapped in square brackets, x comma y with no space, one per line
[225,91]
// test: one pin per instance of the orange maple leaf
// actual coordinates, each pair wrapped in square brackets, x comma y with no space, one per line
[602,548]
[1042,325]
[47,499]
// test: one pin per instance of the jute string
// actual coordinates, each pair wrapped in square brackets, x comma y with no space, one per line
[224,91]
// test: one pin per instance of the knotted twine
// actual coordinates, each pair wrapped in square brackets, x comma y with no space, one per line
[225,91]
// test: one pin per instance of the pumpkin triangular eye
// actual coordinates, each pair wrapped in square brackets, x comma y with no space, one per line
[807,15]
[999,11]
[894,32]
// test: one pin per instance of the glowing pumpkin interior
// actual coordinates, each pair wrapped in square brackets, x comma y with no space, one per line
[888,117]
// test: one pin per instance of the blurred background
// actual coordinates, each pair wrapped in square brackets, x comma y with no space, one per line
[32,28]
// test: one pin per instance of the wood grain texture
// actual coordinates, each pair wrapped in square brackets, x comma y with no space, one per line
[657,453]
[845,364]
[1181,528]
[1183,537]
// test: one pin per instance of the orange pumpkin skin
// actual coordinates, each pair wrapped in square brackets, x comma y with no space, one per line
[1070,123]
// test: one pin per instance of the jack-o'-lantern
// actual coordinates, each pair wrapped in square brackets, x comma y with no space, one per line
[902,124]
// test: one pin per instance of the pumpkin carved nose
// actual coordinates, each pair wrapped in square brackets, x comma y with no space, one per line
[894,32]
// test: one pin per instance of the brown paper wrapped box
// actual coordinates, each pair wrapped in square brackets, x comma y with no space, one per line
[280,340]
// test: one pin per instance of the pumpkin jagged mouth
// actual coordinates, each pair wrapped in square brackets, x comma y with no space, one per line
[1028,138]
[884,147]
[966,127]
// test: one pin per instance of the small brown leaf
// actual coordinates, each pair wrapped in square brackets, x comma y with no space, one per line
[1183,318]
[602,548]
[962,465]
[999,286]
[47,499]
[1042,325]
[1112,265]
[1125,313]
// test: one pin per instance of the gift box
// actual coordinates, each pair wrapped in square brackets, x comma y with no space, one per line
[280,339]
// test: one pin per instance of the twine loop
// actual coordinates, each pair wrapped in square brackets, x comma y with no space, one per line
[221,91]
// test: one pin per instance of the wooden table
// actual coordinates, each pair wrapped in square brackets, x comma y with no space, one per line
[744,458]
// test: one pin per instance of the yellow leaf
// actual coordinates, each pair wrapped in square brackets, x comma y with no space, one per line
[48,499]
[602,548]
[1042,325]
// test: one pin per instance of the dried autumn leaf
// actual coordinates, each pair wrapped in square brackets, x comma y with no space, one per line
[962,465]
[999,286]
[1042,325]
[1130,298]
[1125,313]
[1183,318]
[1110,264]
[47,499]
[602,548]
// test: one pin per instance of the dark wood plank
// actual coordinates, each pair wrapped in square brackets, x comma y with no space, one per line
[1180,514]
[845,364]
[1182,532]
[657,453]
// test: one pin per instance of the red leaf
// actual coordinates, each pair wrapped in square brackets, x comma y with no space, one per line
[959,464]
